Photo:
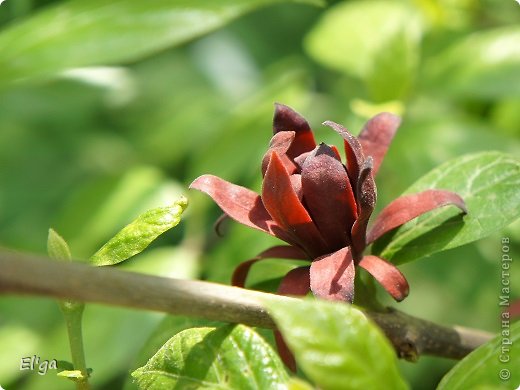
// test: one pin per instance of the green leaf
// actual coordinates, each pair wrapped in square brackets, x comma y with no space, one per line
[73,375]
[82,33]
[298,384]
[493,365]
[376,41]
[64,365]
[168,327]
[57,247]
[135,237]
[336,344]
[484,64]
[489,183]
[229,357]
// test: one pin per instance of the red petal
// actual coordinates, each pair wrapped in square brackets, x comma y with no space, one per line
[300,160]
[296,182]
[285,353]
[329,197]
[332,276]
[296,282]
[376,136]
[353,151]
[280,143]
[277,252]
[408,207]
[336,152]
[241,204]
[513,310]
[387,275]
[282,203]
[366,197]
[286,119]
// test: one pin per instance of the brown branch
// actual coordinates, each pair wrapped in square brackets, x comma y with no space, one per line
[23,274]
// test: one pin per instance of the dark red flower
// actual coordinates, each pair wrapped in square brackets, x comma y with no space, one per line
[321,208]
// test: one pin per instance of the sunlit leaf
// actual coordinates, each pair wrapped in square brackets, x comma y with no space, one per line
[493,365]
[136,236]
[73,375]
[17,340]
[337,346]
[229,357]
[82,33]
[484,64]
[489,183]
[376,41]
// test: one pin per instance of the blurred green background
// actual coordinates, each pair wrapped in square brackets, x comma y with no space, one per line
[109,109]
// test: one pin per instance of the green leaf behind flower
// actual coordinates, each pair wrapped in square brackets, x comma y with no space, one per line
[489,183]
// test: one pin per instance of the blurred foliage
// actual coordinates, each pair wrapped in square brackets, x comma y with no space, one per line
[107,111]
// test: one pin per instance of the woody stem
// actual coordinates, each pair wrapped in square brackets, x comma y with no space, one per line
[24,274]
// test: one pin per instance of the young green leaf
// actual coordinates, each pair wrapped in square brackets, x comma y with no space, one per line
[337,346]
[73,375]
[230,357]
[57,247]
[489,183]
[493,365]
[135,237]
[82,33]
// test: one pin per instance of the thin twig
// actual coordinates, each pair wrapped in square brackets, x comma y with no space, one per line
[24,274]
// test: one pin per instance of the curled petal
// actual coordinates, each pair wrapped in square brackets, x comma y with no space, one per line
[296,282]
[282,203]
[353,151]
[277,252]
[300,160]
[408,207]
[376,136]
[280,143]
[241,204]
[332,276]
[329,196]
[217,226]
[286,119]
[366,197]
[387,275]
